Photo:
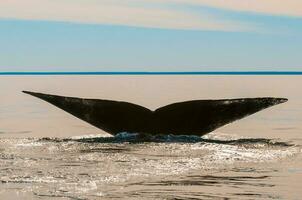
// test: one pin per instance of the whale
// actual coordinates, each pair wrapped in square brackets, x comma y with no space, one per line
[194,117]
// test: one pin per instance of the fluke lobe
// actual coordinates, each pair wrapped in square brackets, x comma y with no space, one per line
[197,117]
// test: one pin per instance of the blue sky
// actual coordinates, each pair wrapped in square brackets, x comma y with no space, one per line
[150,35]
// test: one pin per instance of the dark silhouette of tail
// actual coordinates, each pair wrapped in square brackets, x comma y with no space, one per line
[196,117]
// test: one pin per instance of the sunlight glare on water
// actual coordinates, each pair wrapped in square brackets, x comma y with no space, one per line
[87,167]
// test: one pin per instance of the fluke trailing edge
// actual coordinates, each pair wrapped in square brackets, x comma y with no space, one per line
[196,117]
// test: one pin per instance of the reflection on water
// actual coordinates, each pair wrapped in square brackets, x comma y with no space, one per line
[137,138]
[142,167]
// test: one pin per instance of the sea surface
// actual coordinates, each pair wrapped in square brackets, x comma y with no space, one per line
[46,153]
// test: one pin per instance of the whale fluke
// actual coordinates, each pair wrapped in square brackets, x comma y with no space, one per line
[197,117]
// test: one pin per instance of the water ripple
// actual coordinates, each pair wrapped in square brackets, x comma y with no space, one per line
[143,167]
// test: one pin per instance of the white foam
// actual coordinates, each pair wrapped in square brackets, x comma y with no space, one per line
[222,136]
[87,136]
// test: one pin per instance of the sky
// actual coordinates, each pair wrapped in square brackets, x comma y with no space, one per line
[150,35]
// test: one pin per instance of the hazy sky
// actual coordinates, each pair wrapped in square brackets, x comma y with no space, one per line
[150,35]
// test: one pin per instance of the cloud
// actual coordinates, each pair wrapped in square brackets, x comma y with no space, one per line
[269,7]
[148,13]
[141,13]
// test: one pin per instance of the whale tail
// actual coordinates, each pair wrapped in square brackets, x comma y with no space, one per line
[196,117]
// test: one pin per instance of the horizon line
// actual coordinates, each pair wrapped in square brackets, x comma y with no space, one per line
[154,73]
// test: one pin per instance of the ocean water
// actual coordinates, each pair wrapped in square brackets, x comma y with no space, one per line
[46,153]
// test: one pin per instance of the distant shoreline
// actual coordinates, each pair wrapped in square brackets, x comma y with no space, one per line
[159,73]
